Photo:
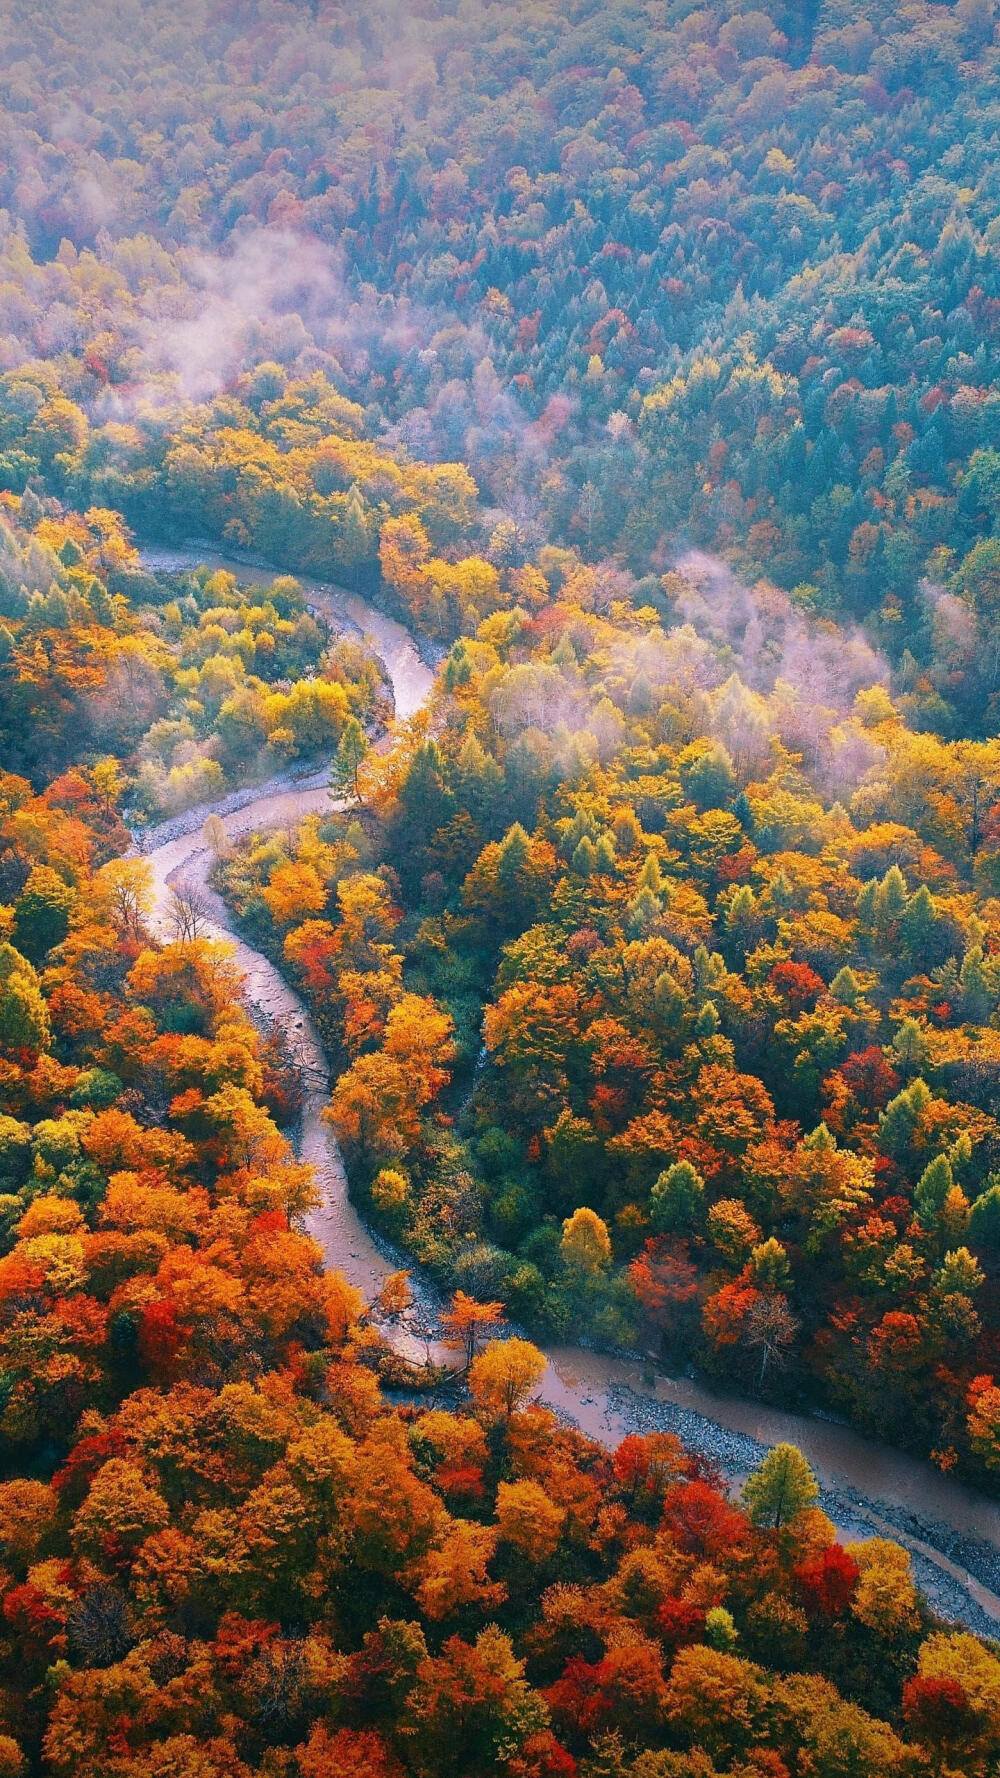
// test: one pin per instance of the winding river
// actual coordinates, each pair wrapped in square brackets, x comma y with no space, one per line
[867,1485]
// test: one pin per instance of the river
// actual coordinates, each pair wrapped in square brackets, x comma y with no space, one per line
[947,1526]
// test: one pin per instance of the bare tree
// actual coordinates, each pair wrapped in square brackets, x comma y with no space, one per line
[187,914]
[770,1330]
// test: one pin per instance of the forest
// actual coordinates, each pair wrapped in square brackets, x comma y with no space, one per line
[737,1093]
[647,270]
[642,360]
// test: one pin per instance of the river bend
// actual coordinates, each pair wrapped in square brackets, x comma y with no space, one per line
[866,1485]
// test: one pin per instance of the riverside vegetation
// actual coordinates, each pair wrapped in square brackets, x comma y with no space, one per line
[642,358]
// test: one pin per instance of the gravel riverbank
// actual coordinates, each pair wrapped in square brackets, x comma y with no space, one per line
[177,827]
[960,1576]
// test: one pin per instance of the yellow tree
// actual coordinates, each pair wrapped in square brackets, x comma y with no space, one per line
[294,891]
[528,1520]
[956,1659]
[125,891]
[586,1244]
[503,1375]
[885,1597]
[454,1571]
[24,1017]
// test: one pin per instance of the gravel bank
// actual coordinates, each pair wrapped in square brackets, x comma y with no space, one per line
[959,1576]
[177,827]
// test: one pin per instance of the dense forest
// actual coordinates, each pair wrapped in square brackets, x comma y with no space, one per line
[642,358]
[738,1087]
[226,1553]
[649,270]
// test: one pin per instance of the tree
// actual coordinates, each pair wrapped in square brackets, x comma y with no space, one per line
[309,718]
[466,1321]
[295,890]
[532,1030]
[814,1724]
[346,1753]
[122,1508]
[125,886]
[528,1520]
[732,1230]
[971,1702]
[187,912]
[454,1571]
[977,18]
[376,1103]
[827,1581]
[645,1466]
[665,1283]
[769,1265]
[354,543]
[984,1224]
[403,549]
[769,1330]
[781,1487]
[715,1700]
[585,1244]
[42,913]
[503,1375]
[740,1319]
[472,1706]
[677,1200]
[24,1018]
[390,1194]
[395,1296]
[418,1035]
[934,1185]
[215,836]
[706,773]
[885,1598]
[352,749]
[983,1421]
[938,1711]
[624,1690]
[372,1109]
[13,1763]
[510,881]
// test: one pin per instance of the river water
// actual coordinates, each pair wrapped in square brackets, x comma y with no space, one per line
[606,1397]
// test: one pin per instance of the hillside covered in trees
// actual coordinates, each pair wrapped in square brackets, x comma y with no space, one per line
[737,1093]
[648,269]
[642,358]
[225,1553]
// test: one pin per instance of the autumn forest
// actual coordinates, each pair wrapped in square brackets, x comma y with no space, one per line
[499,889]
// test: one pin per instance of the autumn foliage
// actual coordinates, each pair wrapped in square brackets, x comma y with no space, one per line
[644,359]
